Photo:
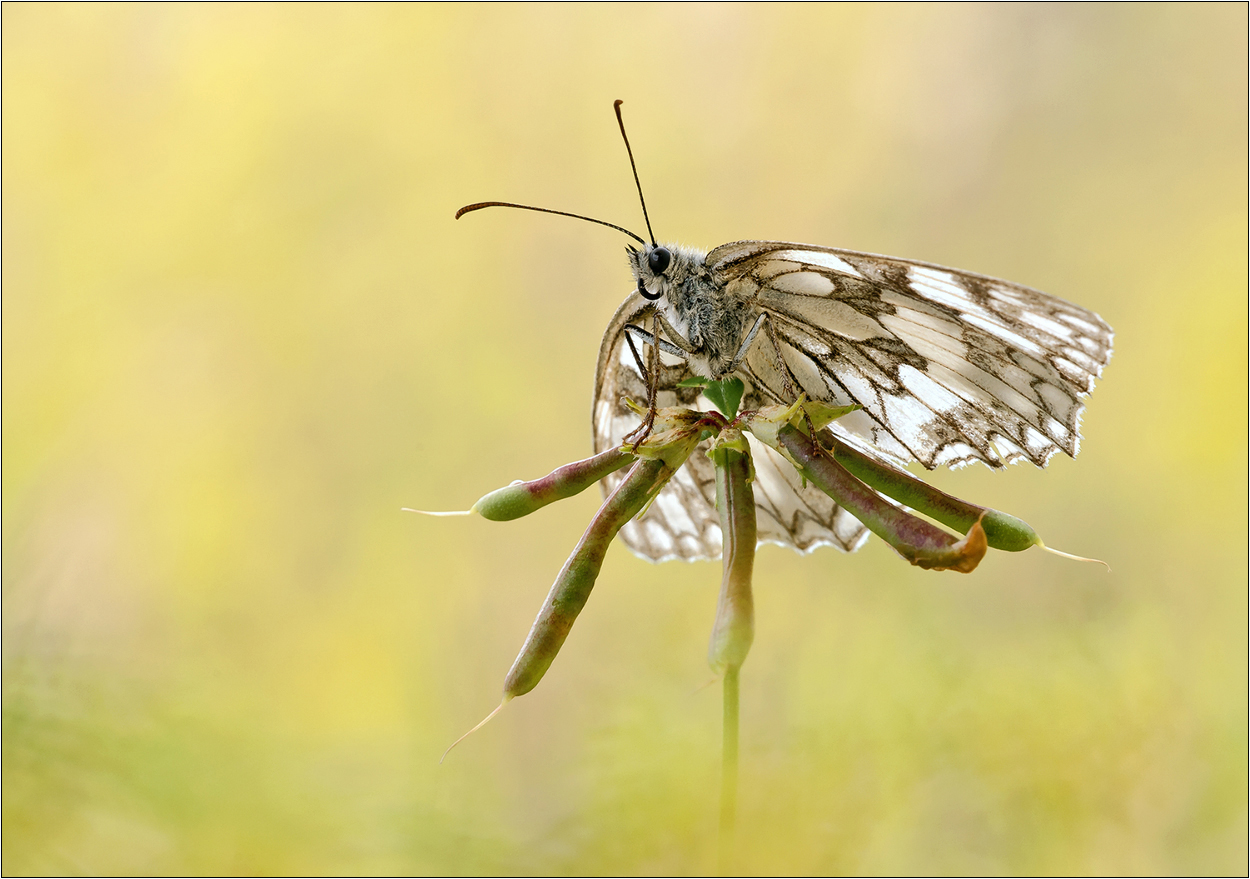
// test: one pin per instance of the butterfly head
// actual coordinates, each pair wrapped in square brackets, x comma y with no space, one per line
[658,268]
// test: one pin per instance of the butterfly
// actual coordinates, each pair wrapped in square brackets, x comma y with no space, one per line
[948,367]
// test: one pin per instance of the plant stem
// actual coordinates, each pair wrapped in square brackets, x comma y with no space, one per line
[728,772]
[734,628]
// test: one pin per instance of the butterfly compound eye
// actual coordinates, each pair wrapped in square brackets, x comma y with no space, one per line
[658,260]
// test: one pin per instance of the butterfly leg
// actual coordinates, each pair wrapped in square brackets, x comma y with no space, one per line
[787,377]
[651,375]
[678,339]
[633,349]
[646,374]
[649,339]
[783,369]
[746,344]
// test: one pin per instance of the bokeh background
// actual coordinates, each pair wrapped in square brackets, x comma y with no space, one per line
[241,330]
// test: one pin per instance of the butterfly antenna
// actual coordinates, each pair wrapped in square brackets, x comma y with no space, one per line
[525,207]
[637,182]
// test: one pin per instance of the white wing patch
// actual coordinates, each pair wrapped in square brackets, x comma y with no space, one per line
[820,258]
[804,284]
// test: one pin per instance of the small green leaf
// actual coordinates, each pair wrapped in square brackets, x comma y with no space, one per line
[694,381]
[725,395]
[821,414]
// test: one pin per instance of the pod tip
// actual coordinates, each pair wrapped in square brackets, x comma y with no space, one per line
[706,684]
[485,720]
[1078,558]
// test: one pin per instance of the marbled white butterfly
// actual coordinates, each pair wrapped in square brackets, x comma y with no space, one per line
[950,367]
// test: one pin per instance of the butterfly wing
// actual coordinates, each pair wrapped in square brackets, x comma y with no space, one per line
[950,367]
[683,523]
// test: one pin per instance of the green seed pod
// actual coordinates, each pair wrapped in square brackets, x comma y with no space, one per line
[522,498]
[573,584]
[920,542]
[1002,531]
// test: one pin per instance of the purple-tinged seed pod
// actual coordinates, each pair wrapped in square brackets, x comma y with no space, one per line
[522,498]
[573,584]
[920,542]
[1002,531]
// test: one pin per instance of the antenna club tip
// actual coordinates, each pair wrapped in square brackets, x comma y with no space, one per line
[617,103]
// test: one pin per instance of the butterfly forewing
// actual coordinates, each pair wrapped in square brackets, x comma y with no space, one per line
[950,367]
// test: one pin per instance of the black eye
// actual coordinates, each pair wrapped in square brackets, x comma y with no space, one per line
[659,259]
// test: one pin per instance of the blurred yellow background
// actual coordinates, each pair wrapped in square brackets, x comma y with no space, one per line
[241,330]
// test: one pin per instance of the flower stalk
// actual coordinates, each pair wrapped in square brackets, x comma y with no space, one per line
[734,627]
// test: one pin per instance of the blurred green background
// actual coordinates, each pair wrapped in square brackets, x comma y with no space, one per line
[241,330]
